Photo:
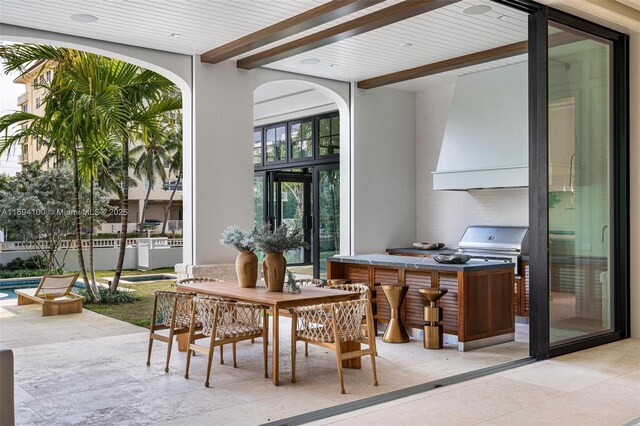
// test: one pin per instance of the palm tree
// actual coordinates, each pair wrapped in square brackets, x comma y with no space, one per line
[90,99]
[151,156]
[147,98]
[80,108]
[174,147]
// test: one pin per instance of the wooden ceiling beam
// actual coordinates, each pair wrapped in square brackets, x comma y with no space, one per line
[387,16]
[446,65]
[296,24]
[489,55]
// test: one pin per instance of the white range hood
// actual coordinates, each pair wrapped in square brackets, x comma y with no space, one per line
[485,142]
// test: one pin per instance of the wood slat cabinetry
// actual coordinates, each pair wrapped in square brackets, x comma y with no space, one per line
[477,305]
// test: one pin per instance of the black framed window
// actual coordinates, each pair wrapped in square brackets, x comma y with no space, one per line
[275,143]
[328,128]
[301,139]
[298,142]
[257,145]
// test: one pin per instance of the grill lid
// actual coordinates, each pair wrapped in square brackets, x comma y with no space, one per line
[511,239]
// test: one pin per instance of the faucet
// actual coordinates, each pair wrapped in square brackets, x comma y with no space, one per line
[604,228]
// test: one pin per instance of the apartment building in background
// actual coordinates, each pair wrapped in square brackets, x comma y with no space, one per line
[30,150]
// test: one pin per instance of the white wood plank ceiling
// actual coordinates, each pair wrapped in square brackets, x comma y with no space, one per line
[435,36]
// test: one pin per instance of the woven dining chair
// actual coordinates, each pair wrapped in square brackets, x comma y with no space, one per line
[329,326]
[365,294]
[310,282]
[205,279]
[172,311]
[225,322]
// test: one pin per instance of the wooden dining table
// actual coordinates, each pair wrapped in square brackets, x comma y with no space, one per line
[273,300]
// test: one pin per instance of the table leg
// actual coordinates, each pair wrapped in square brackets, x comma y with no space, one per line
[183,342]
[276,345]
[294,335]
[355,363]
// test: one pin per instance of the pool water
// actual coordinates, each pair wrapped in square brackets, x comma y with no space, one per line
[145,278]
[8,288]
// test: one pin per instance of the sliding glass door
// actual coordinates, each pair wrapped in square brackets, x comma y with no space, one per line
[580,198]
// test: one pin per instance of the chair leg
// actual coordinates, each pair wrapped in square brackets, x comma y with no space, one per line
[221,354]
[210,359]
[306,349]
[170,343]
[189,353]
[150,346]
[373,367]
[339,360]
[233,354]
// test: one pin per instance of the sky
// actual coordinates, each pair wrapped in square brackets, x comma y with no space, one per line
[9,93]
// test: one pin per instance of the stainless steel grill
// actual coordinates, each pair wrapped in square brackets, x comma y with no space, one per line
[505,243]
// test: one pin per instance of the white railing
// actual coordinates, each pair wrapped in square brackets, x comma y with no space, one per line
[97,243]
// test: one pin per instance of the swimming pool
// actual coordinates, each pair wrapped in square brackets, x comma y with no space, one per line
[8,286]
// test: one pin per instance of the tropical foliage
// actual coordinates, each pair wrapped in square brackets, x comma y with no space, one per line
[35,207]
[94,109]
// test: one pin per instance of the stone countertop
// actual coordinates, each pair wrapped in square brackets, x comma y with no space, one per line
[413,250]
[420,262]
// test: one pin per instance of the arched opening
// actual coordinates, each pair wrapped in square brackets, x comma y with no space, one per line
[155,211]
[301,167]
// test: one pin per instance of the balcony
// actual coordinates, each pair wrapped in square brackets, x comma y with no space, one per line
[23,159]
[22,99]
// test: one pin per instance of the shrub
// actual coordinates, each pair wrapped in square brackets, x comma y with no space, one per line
[107,298]
[34,262]
[22,273]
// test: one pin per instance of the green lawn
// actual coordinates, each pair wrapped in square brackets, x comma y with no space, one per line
[137,313]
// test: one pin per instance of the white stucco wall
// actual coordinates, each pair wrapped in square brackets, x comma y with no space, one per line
[384,178]
[219,165]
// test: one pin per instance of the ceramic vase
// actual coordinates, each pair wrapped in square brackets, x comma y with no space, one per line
[275,267]
[247,269]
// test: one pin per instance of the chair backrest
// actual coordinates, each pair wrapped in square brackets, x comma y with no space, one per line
[56,285]
[363,289]
[197,280]
[348,317]
[310,282]
[167,302]
[232,317]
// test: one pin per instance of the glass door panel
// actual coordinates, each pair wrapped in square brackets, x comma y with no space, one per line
[328,217]
[292,209]
[580,151]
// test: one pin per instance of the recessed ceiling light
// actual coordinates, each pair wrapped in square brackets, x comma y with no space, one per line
[406,44]
[502,17]
[310,61]
[84,18]
[333,65]
[175,34]
[476,10]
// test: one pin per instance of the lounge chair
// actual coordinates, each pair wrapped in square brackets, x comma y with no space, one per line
[54,294]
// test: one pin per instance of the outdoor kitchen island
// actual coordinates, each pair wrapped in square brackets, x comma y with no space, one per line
[478,307]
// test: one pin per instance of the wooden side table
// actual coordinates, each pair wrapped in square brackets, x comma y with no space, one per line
[395,331]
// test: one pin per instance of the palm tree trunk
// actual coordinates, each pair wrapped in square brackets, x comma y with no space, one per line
[91,263]
[144,208]
[124,216]
[76,186]
[168,212]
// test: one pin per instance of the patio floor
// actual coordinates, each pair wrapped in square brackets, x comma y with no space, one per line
[90,369]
